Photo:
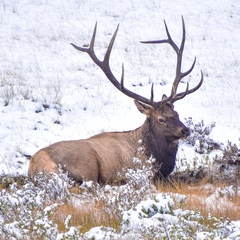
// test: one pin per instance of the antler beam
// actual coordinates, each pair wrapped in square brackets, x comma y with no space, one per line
[104,65]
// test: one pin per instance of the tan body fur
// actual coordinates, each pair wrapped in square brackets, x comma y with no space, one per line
[97,158]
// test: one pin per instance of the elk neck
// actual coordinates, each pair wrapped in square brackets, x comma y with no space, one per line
[157,146]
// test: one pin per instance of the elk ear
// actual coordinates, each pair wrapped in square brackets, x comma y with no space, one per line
[169,102]
[143,108]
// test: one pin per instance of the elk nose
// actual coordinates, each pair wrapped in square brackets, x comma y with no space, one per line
[185,131]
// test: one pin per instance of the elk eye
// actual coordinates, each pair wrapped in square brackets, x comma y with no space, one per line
[161,120]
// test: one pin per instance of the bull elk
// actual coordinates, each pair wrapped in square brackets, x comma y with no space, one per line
[100,157]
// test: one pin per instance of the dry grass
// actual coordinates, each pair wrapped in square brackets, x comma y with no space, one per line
[5,182]
[203,197]
[206,198]
[85,216]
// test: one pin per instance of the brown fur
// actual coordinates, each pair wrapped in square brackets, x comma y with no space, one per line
[100,157]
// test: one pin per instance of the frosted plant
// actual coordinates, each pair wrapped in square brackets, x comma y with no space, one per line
[26,209]
[116,199]
[199,137]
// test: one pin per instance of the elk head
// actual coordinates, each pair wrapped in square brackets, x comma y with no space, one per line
[164,120]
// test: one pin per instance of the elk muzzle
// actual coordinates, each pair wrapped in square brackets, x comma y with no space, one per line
[184,131]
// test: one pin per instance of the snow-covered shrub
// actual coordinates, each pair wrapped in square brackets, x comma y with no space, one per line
[116,199]
[25,210]
[231,153]
[56,186]
[226,167]
[71,234]
[199,137]
[100,233]
[156,218]
[138,217]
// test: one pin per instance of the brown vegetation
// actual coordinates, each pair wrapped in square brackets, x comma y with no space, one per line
[85,216]
[210,199]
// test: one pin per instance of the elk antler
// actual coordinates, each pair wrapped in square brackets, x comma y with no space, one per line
[179,75]
[104,65]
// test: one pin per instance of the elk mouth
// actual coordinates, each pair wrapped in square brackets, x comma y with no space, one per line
[185,132]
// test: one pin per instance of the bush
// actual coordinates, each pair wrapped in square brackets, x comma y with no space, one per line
[25,210]
[199,137]
[227,166]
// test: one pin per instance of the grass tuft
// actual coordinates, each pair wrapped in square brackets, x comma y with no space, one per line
[85,217]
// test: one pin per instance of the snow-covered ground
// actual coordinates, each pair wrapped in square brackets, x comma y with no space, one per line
[51,92]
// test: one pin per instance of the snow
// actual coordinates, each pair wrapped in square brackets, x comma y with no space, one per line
[147,212]
[51,92]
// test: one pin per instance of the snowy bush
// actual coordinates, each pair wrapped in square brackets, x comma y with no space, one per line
[199,137]
[231,153]
[119,198]
[226,167]
[139,218]
[25,210]
[156,218]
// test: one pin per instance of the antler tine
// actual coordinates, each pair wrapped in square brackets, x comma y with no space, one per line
[152,94]
[90,49]
[122,79]
[93,37]
[179,74]
[104,65]
[109,49]
[198,86]
[183,94]
[183,37]
[180,95]
[190,69]
[168,40]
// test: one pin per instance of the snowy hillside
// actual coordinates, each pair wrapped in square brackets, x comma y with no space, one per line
[50,92]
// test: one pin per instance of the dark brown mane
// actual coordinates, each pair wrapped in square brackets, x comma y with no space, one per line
[159,147]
